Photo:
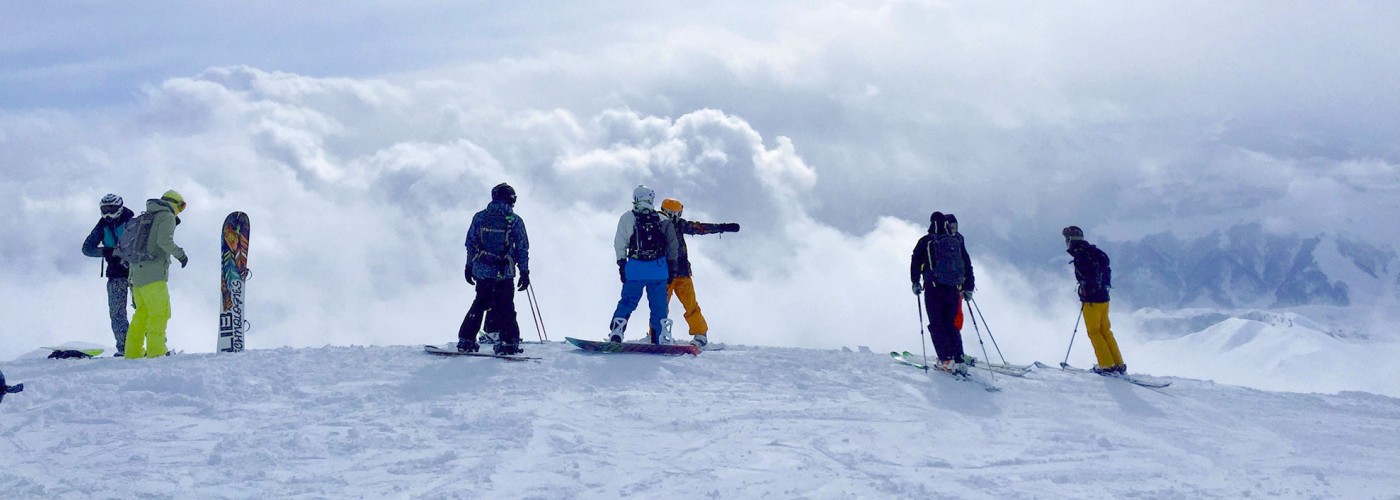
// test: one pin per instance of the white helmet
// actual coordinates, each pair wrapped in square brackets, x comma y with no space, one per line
[643,194]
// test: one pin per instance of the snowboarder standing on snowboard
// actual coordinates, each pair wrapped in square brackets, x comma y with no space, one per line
[941,269]
[102,242]
[647,254]
[1091,270]
[496,246]
[681,284]
[146,337]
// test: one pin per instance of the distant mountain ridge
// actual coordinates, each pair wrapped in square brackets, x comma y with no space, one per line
[1246,266]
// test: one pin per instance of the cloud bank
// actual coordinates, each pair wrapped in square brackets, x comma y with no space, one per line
[828,130]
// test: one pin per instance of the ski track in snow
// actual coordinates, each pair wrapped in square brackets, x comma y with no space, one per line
[746,422]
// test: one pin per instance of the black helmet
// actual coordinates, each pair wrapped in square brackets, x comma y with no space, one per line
[504,193]
[1073,233]
[950,223]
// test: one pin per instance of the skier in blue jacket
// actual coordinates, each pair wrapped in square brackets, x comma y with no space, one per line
[496,246]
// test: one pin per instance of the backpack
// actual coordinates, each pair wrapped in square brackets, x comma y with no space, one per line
[133,243]
[1103,274]
[945,259]
[493,231]
[648,240]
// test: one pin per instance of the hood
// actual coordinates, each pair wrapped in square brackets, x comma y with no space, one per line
[156,205]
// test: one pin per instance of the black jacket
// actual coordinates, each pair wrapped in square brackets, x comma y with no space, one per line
[105,235]
[684,227]
[1091,270]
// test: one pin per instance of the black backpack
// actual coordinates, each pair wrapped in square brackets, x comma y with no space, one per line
[133,246]
[493,230]
[1103,274]
[945,259]
[648,240]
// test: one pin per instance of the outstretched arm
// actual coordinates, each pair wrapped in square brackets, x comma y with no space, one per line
[698,228]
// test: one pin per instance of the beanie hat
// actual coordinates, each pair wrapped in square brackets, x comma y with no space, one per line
[503,193]
[1073,233]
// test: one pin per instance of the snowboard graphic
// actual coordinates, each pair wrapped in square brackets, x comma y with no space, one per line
[233,274]
[669,349]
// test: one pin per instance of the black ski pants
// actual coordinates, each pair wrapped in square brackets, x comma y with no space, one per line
[495,301]
[942,303]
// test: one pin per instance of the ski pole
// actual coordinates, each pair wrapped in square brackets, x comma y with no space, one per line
[1073,334]
[535,313]
[923,344]
[989,329]
[979,339]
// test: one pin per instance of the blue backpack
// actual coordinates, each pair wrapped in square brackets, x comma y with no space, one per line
[494,232]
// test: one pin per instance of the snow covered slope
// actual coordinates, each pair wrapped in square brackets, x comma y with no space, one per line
[741,423]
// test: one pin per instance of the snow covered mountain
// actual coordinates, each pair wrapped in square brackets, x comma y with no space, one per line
[746,422]
[1249,267]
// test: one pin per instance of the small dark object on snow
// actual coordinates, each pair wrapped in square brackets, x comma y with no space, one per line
[7,389]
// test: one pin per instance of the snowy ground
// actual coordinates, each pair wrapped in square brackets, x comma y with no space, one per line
[740,423]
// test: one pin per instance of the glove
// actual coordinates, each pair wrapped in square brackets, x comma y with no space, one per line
[967,294]
[732,227]
[622,269]
[108,252]
[524,281]
[918,289]
[183,260]
[471,280]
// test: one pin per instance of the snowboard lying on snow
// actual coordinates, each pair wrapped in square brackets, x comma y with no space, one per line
[639,348]
[451,350]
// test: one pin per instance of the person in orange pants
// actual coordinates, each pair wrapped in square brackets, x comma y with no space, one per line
[149,273]
[1095,277]
[681,285]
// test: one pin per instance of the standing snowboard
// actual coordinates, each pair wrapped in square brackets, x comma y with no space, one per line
[233,273]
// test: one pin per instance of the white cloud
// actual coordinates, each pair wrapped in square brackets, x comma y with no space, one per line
[818,126]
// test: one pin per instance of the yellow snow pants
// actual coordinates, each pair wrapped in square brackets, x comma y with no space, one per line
[1096,323]
[146,335]
[684,288]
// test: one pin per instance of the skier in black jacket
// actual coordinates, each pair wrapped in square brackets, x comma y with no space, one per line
[941,269]
[102,242]
[1095,277]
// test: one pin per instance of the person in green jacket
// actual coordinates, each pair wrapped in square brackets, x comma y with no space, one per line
[146,336]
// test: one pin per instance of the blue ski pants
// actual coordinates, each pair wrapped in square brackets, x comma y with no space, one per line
[632,296]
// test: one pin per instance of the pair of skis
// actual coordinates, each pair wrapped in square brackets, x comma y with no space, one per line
[1132,379]
[907,358]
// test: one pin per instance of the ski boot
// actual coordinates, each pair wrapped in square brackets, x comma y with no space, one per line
[488,338]
[507,348]
[466,345]
[619,325]
[699,341]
